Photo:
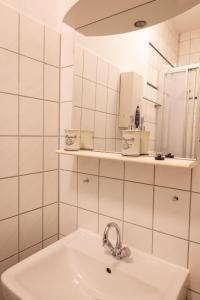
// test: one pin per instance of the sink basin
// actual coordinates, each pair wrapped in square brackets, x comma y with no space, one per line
[78,268]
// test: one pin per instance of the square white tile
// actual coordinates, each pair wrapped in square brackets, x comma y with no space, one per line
[68,219]
[78,60]
[111,168]
[88,165]
[113,102]
[111,197]
[68,162]
[8,72]
[195,45]
[139,172]
[77,91]
[101,98]
[50,220]
[50,155]
[195,218]
[196,179]
[68,187]
[89,89]
[87,120]
[30,222]
[51,83]
[138,204]
[173,177]
[31,78]
[8,156]
[88,220]
[110,126]
[66,84]
[66,117]
[114,78]
[30,192]
[50,187]
[67,48]
[9,197]
[184,47]
[102,71]
[111,145]
[100,125]
[194,261]
[30,153]
[31,38]
[9,20]
[170,215]
[51,118]
[52,47]
[31,116]
[88,192]
[8,114]
[90,66]
[99,144]
[170,248]
[137,237]
[8,237]
[76,118]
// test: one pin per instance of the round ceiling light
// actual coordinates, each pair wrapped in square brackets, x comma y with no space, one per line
[140,24]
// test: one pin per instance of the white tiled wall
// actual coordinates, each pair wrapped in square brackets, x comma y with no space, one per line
[91,86]
[29,123]
[142,200]
[189,48]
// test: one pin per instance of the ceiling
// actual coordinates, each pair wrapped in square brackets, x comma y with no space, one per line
[188,21]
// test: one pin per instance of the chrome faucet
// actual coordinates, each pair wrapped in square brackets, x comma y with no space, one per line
[118,251]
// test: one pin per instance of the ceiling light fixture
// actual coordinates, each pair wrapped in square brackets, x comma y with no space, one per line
[140,24]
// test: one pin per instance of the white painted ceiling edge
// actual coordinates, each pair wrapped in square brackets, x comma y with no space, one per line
[103,17]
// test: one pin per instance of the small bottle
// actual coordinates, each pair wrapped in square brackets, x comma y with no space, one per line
[137,117]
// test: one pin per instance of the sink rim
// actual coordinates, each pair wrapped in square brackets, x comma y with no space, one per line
[8,278]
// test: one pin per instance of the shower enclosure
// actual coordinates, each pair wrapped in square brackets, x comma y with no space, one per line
[180,112]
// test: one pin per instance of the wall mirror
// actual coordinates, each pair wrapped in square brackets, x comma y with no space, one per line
[166,61]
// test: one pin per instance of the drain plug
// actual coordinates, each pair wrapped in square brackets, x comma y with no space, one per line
[108,270]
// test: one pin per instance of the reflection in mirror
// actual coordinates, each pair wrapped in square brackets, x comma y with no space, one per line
[106,90]
[179,126]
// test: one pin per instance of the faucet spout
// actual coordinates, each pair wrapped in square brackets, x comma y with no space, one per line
[118,251]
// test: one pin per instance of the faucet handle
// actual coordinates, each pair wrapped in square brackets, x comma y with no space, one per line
[125,252]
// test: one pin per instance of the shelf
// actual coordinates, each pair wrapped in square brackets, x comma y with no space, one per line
[178,163]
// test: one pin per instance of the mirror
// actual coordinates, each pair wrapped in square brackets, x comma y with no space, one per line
[165,79]
[97,18]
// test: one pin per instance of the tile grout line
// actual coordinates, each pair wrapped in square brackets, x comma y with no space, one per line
[98,191]
[152,243]
[123,199]
[189,223]
[43,129]
[59,142]
[19,234]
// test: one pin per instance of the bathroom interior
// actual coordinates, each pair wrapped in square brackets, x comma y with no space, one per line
[99,150]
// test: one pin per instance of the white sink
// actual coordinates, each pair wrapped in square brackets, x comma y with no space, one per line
[75,268]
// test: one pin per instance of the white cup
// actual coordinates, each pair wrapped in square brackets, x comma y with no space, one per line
[72,139]
[131,142]
[87,139]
